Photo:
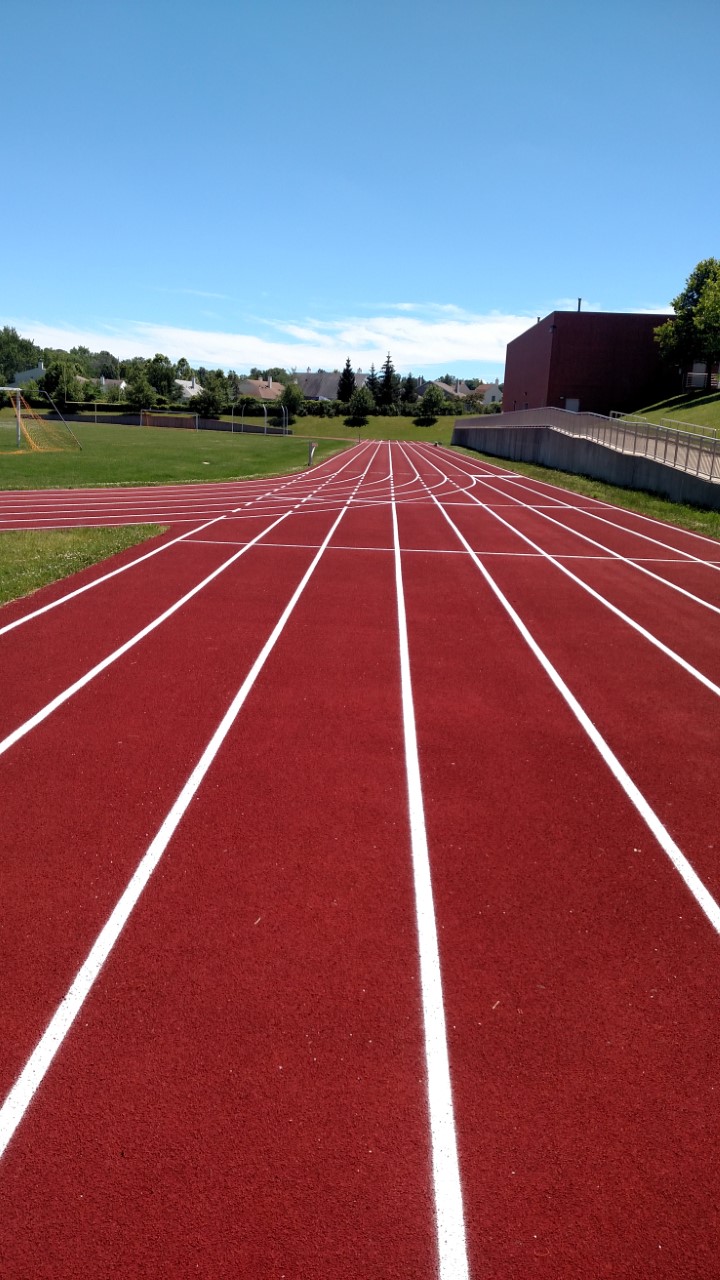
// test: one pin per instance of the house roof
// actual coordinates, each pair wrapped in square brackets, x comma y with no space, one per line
[322,385]
[260,388]
[457,390]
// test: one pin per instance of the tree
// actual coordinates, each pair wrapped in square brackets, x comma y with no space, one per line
[214,380]
[372,384]
[409,392]
[103,364]
[346,384]
[693,333]
[293,400]
[60,380]
[183,370]
[140,393]
[160,373]
[16,353]
[431,405]
[209,402]
[389,389]
[360,407]
[233,385]
[707,320]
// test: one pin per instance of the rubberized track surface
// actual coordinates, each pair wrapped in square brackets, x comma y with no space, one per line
[360,870]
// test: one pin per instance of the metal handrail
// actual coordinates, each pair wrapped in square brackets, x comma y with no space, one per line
[689,451]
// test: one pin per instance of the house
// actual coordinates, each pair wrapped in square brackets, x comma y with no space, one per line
[322,385]
[260,388]
[106,383]
[29,375]
[456,390]
[189,387]
[487,393]
[594,361]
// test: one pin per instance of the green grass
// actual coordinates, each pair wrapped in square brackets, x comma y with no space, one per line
[31,558]
[689,415]
[378,428]
[114,455]
[647,504]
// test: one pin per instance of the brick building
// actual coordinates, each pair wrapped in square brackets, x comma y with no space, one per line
[593,361]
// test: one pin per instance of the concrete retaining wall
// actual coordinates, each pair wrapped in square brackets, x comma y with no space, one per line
[582,457]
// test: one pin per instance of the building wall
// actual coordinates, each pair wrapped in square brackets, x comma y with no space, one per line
[527,367]
[595,361]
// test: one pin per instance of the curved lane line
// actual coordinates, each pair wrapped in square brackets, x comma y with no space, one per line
[632,564]
[607,604]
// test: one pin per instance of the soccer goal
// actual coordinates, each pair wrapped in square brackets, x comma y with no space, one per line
[41,435]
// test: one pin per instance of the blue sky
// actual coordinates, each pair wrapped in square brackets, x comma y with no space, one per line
[294,183]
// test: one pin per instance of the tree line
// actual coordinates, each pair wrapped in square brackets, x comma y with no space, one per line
[84,377]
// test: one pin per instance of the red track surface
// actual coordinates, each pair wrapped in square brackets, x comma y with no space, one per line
[244,1088]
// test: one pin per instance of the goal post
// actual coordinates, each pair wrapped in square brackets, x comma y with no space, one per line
[41,435]
[14,393]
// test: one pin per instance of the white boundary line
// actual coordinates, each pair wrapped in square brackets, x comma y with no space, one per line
[33,1073]
[693,882]
[452,1248]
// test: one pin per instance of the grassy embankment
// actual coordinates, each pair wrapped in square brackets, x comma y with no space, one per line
[686,413]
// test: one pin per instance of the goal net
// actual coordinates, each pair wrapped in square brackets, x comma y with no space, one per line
[41,435]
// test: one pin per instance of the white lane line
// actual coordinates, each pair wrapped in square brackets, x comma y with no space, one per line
[607,604]
[584,537]
[449,1213]
[581,500]
[699,891]
[33,1073]
[105,577]
[69,692]
[71,595]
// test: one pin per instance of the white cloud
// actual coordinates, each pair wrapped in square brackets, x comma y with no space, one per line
[416,335]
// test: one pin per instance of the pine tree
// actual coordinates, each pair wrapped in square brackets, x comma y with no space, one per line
[409,390]
[386,393]
[346,384]
[373,384]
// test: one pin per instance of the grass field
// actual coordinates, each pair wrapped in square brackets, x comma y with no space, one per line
[30,559]
[113,455]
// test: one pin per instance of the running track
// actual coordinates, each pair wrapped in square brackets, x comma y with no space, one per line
[360,883]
